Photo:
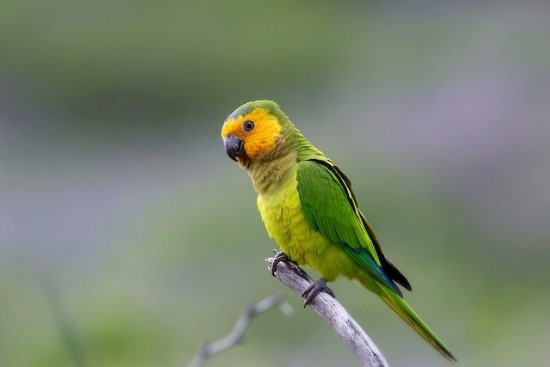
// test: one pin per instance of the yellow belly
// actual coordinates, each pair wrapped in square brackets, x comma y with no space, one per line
[286,224]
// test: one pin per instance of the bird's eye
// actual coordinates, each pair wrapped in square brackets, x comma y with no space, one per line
[248,125]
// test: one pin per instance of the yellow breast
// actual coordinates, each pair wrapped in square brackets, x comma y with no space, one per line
[286,224]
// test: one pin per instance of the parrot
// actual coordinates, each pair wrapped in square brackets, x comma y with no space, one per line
[309,209]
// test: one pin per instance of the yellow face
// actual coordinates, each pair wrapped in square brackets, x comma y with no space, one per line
[250,135]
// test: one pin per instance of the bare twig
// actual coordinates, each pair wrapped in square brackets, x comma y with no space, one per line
[335,314]
[236,335]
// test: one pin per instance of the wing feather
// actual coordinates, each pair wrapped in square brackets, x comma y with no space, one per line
[330,208]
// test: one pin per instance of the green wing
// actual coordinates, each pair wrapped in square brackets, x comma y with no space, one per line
[330,208]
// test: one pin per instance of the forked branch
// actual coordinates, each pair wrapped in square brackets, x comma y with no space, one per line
[325,305]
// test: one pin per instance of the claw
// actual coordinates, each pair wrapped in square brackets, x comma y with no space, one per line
[314,289]
[280,256]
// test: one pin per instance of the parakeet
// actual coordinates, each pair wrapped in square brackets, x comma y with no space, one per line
[309,209]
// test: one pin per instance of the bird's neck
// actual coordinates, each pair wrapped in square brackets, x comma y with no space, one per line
[270,172]
[269,176]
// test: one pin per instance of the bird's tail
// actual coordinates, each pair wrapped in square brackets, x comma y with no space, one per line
[402,308]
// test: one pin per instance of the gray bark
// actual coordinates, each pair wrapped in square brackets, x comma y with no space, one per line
[335,314]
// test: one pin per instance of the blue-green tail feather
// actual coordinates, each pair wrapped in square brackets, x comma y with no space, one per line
[362,257]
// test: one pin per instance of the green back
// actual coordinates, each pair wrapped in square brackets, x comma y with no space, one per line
[330,208]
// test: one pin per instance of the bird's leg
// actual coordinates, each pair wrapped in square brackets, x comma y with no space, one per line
[279,256]
[314,289]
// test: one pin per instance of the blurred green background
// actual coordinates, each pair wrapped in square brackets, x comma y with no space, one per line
[126,232]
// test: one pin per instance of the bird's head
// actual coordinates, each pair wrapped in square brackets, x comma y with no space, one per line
[254,132]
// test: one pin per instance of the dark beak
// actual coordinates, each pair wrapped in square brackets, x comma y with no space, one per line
[234,147]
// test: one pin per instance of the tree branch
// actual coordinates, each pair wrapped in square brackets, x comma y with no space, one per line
[236,335]
[334,313]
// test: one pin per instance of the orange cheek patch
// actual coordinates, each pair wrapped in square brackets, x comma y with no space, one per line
[232,127]
[259,140]
[263,137]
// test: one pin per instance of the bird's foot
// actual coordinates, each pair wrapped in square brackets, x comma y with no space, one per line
[279,256]
[314,289]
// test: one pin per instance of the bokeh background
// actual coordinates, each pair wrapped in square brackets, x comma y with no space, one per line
[128,238]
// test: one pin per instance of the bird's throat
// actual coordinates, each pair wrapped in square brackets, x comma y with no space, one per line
[268,176]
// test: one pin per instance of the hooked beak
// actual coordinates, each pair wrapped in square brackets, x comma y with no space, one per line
[234,147]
